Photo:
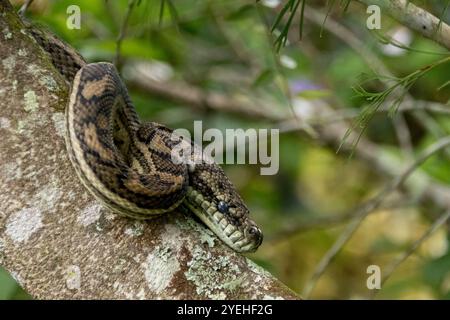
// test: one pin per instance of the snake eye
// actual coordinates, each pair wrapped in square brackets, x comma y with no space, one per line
[253,230]
[222,207]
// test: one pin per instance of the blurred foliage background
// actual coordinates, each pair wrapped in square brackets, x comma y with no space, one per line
[226,47]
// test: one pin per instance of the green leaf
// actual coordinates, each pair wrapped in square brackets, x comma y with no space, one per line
[314,94]
[264,77]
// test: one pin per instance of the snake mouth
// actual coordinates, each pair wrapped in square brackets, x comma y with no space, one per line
[243,239]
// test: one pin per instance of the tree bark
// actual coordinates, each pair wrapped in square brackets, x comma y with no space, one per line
[58,242]
[416,19]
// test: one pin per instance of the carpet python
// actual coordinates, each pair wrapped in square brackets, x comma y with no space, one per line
[126,164]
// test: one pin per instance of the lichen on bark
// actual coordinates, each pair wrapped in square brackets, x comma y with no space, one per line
[58,242]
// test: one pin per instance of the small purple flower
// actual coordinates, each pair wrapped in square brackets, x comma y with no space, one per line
[300,85]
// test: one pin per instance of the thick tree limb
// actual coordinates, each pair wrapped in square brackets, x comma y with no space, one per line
[58,242]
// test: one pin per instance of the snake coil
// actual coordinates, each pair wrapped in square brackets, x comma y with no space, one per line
[127,165]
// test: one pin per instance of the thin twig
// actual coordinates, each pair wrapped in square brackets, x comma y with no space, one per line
[379,68]
[374,63]
[433,127]
[330,221]
[352,113]
[122,33]
[429,106]
[24,7]
[403,135]
[113,14]
[284,83]
[406,254]
[370,206]
[198,98]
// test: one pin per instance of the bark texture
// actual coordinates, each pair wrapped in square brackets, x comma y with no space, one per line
[416,19]
[58,242]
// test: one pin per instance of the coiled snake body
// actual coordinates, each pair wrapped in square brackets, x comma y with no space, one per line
[127,164]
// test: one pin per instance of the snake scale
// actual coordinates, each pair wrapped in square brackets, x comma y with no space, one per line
[126,164]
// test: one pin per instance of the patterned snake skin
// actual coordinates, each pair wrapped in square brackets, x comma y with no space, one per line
[127,165]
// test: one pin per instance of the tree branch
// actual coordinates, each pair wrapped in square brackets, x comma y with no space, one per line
[370,206]
[58,242]
[139,78]
[407,253]
[122,33]
[330,124]
[415,18]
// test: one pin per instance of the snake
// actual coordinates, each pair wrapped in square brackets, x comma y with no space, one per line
[127,164]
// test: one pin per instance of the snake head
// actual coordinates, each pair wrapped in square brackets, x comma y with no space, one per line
[214,199]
